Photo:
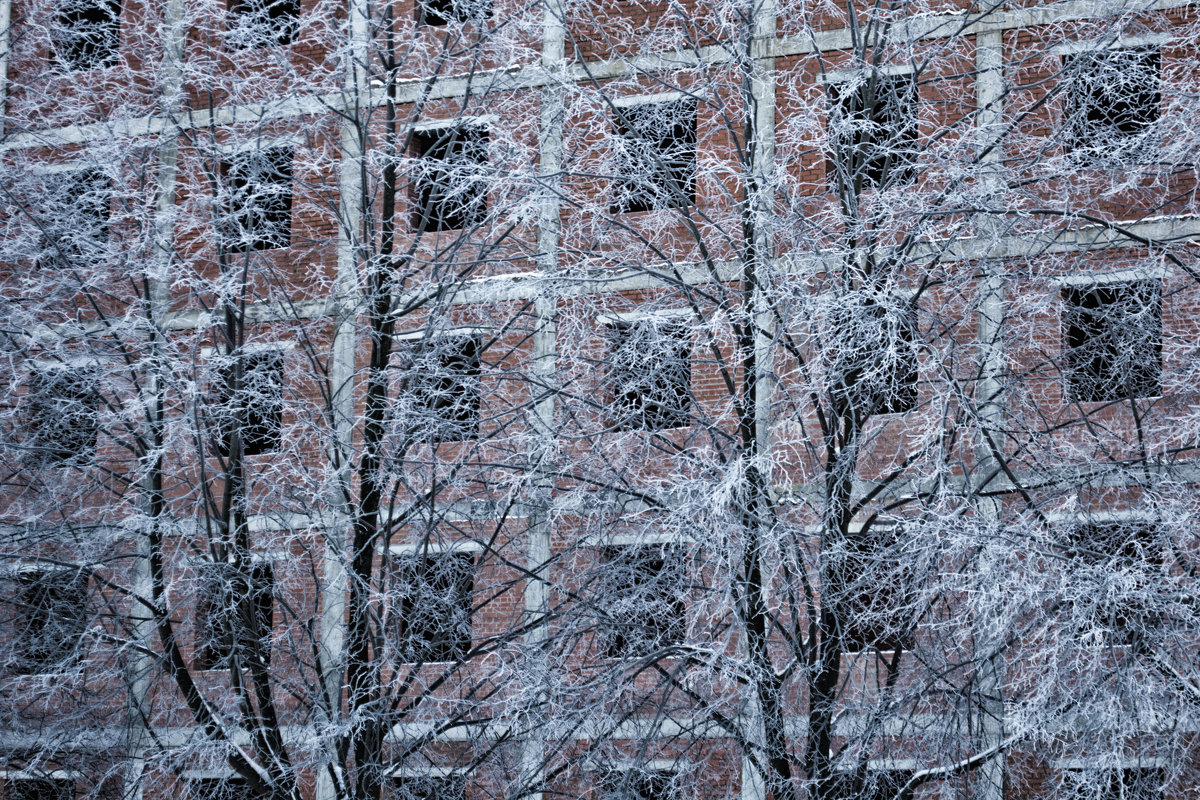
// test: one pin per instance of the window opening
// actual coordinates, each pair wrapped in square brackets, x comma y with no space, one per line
[450,185]
[443,12]
[650,374]
[38,788]
[442,381]
[429,787]
[873,130]
[87,33]
[52,621]
[1105,549]
[1114,341]
[873,365]
[433,622]
[256,212]
[235,615]
[656,159]
[642,784]
[63,416]
[643,599]
[250,404]
[1113,100]
[260,23]
[1125,783]
[874,784]
[231,788]
[874,597]
[77,216]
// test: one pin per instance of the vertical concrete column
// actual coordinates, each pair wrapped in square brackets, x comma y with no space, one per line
[989,398]
[760,99]
[543,390]
[158,281]
[343,310]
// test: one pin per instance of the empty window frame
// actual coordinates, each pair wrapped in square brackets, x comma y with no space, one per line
[452,786]
[432,620]
[874,347]
[247,407]
[63,409]
[87,33]
[75,225]
[260,23]
[641,784]
[872,594]
[50,619]
[871,784]
[1113,101]
[1121,783]
[642,599]
[228,788]
[656,156]
[443,12]
[256,206]
[235,615]
[650,374]
[1099,550]
[441,381]
[449,187]
[1113,336]
[36,787]
[873,131]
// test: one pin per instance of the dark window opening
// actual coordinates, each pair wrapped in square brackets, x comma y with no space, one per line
[249,403]
[450,186]
[873,131]
[443,383]
[873,365]
[1114,341]
[429,787]
[87,33]
[643,599]
[873,784]
[51,621]
[231,788]
[35,788]
[1128,783]
[235,615]
[873,592]
[63,416]
[641,784]
[433,622]
[443,12]
[656,163]
[650,374]
[1101,550]
[1113,98]
[260,23]
[256,210]
[75,230]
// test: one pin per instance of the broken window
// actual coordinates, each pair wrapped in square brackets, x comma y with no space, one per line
[87,33]
[449,190]
[1113,102]
[642,598]
[441,381]
[75,227]
[429,787]
[50,620]
[259,23]
[248,403]
[38,788]
[256,207]
[1100,551]
[873,131]
[641,784]
[63,406]
[235,614]
[443,12]
[1113,338]
[872,355]
[873,594]
[433,615]
[650,374]
[656,156]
